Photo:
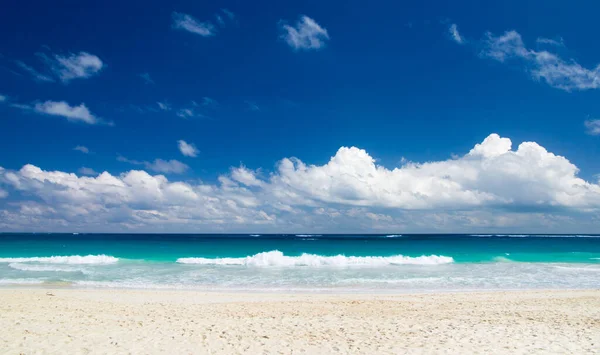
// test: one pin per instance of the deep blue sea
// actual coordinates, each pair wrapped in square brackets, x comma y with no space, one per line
[305,263]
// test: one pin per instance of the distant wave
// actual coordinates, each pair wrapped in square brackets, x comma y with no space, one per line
[255,235]
[308,235]
[276,258]
[393,236]
[535,235]
[72,259]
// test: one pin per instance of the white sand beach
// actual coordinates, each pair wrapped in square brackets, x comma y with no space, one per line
[39,321]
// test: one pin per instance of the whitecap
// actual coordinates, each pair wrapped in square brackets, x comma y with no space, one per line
[277,258]
[72,259]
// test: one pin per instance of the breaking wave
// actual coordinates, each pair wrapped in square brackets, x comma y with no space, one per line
[276,258]
[72,259]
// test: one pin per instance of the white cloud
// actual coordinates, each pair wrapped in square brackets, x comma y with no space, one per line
[245,176]
[146,77]
[159,165]
[593,127]
[187,149]
[491,187]
[82,149]
[491,174]
[71,113]
[549,41]
[307,34]
[73,66]
[455,34]
[190,24]
[3,193]
[164,106]
[87,171]
[2,98]
[565,74]
[185,113]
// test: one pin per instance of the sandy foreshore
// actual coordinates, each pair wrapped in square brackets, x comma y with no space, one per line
[186,322]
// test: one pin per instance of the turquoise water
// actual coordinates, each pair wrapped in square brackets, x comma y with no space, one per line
[318,263]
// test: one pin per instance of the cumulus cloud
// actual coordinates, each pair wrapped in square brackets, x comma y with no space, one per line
[72,113]
[246,176]
[492,187]
[190,24]
[307,34]
[187,149]
[593,127]
[560,73]
[455,34]
[82,149]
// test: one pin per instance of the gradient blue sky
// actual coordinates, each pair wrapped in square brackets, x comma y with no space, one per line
[251,83]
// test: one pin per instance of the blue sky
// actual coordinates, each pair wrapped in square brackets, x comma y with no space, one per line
[213,98]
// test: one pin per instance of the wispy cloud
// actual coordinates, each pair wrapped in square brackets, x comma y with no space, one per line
[185,113]
[553,42]
[87,171]
[82,149]
[73,66]
[164,106]
[64,67]
[229,14]
[146,77]
[190,24]
[551,68]
[3,98]
[592,127]
[159,165]
[307,34]
[37,76]
[207,101]
[252,106]
[455,34]
[187,149]
[72,113]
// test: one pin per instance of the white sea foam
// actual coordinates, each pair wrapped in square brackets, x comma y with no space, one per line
[72,259]
[20,281]
[308,235]
[276,258]
[42,268]
[393,236]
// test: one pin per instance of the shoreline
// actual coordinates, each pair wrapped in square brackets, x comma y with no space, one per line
[286,291]
[157,321]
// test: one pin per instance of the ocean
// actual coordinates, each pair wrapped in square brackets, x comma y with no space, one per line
[302,263]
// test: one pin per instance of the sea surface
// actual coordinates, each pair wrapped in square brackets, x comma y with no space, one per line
[302,263]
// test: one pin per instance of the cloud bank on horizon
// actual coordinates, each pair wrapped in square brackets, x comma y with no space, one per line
[491,186]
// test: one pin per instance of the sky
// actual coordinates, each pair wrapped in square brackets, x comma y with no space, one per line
[299,117]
